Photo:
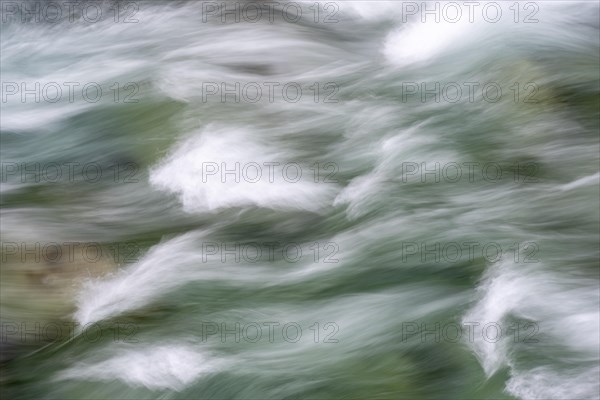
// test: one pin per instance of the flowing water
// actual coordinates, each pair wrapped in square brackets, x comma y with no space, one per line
[379,238]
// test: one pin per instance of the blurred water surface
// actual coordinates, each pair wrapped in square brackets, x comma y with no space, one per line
[378,279]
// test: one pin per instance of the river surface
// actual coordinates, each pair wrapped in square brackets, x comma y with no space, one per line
[332,200]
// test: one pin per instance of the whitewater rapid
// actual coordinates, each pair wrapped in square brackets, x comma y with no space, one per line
[369,208]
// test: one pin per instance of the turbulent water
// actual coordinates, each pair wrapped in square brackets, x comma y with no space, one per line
[386,206]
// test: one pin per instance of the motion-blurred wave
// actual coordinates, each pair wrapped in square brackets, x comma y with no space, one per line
[419,220]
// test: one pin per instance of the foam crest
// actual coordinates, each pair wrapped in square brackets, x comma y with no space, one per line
[206,188]
[154,367]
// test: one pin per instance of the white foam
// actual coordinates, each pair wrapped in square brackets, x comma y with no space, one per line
[389,155]
[567,310]
[182,174]
[154,367]
[368,10]
[161,269]
[544,383]
[423,37]
[178,262]
[419,42]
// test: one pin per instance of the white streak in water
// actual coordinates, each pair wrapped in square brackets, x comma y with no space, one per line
[154,367]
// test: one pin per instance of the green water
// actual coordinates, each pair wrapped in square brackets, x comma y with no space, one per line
[397,250]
